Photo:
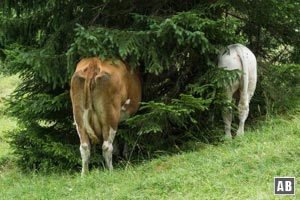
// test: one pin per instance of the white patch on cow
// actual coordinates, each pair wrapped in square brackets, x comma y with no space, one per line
[85,155]
[112,134]
[77,128]
[107,149]
[127,102]
[123,115]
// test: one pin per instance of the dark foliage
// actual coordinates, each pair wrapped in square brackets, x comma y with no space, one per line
[172,43]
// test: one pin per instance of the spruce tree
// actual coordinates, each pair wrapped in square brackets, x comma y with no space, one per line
[173,44]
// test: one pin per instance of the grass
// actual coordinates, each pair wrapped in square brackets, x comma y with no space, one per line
[240,169]
[7,84]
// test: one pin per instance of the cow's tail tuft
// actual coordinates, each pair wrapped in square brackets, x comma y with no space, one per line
[87,125]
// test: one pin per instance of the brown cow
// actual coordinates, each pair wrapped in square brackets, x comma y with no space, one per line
[103,93]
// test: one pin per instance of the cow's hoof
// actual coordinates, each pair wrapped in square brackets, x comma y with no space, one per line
[241,134]
[227,137]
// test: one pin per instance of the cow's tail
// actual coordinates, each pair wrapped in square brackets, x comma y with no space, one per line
[87,115]
[245,68]
[88,105]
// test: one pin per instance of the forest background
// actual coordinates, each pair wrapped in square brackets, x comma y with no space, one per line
[173,44]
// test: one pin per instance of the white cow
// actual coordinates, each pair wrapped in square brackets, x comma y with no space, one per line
[237,56]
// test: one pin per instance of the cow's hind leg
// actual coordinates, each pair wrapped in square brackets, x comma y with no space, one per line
[227,112]
[243,112]
[227,119]
[244,106]
[85,151]
[85,147]
[78,100]
[107,147]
